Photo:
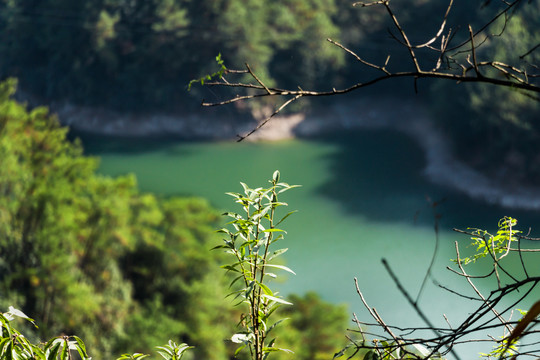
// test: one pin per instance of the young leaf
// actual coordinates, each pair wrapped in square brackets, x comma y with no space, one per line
[288,187]
[81,348]
[266,289]
[286,216]
[281,267]
[275,324]
[239,349]
[12,313]
[242,338]
[277,253]
[276,299]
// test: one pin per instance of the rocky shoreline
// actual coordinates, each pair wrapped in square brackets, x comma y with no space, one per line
[408,117]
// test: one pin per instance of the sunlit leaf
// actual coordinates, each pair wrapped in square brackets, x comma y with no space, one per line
[12,313]
[280,267]
[242,338]
[288,187]
[81,348]
[52,351]
[276,299]
[266,289]
[277,253]
[285,217]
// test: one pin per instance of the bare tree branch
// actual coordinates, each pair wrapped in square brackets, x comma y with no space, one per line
[459,68]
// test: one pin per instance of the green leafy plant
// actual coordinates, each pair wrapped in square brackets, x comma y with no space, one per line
[15,346]
[61,347]
[169,351]
[250,243]
[173,351]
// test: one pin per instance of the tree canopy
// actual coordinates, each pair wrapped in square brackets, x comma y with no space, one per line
[129,55]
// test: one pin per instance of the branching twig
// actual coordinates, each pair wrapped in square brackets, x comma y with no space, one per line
[456,70]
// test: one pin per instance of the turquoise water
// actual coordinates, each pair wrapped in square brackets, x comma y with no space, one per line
[363,197]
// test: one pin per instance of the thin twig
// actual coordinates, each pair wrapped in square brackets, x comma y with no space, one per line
[530,51]
[473,51]
[262,123]
[258,80]
[441,29]
[381,68]
[403,36]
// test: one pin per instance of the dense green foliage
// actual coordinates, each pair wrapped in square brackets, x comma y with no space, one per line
[91,255]
[15,345]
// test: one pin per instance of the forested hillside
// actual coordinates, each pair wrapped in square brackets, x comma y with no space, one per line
[139,55]
[142,54]
[91,255]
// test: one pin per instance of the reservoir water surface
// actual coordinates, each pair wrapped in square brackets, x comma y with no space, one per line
[363,198]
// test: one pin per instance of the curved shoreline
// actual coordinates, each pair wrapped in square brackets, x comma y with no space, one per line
[441,166]
[408,117]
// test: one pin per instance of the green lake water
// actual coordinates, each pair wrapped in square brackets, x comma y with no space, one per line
[363,197]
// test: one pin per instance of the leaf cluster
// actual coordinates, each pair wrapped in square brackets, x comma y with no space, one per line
[497,246]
